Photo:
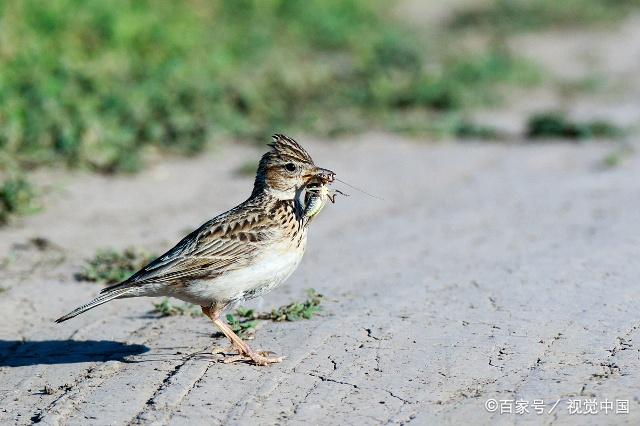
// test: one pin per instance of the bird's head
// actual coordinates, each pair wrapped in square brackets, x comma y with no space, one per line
[286,168]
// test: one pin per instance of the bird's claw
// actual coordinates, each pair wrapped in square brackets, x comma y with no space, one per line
[261,358]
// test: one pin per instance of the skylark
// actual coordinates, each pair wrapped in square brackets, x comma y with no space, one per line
[240,254]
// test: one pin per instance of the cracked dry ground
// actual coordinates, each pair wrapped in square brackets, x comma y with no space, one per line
[488,271]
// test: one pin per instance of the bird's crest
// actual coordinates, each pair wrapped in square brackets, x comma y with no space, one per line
[288,149]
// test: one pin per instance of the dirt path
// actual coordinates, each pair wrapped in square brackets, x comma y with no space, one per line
[488,271]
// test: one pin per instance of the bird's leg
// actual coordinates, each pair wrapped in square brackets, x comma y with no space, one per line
[244,351]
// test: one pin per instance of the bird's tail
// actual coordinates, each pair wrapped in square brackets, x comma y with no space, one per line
[103,298]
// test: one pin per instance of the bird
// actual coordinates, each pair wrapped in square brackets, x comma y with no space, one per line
[240,254]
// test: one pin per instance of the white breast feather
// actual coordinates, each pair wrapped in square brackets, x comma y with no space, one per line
[271,269]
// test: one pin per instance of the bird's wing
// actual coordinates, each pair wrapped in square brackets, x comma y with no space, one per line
[225,243]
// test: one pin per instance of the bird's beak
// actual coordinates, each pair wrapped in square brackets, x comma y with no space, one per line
[319,175]
[324,175]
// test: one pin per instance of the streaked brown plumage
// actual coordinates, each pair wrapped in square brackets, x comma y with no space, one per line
[239,254]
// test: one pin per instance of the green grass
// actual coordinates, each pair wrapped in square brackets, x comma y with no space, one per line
[466,129]
[244,321]
[618,155]
[94,84]
[101,85]
[110,266]
[97,84]
[613,159]
[17,197]
[242,326]
[165,308]
[506,16]
[467,80]
[417,123]
[295,311]
[554,124]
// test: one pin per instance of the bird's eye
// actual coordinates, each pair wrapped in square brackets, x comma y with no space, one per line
[290,167]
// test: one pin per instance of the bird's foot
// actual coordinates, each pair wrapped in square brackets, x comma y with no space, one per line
[261,358]
[221,350]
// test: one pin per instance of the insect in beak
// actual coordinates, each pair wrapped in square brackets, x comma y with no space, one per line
[324,191]
[326,176]
[332,195]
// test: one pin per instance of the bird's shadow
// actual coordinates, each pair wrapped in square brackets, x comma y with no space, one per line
[17,353]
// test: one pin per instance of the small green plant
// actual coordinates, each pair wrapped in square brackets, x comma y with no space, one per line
[167,309]
[112,266]
[530,15]
[617,155]
[612,159]
[590,84]
[17,197]
[553,124]
[297,310]
[242,326]
[244,321]
[469,130]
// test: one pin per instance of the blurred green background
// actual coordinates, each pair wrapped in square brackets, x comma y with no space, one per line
[99,85]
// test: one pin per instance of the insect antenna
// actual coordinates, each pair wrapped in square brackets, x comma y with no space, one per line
[360,190]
